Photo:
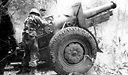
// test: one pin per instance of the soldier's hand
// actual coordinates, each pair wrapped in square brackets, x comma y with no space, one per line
[33,33]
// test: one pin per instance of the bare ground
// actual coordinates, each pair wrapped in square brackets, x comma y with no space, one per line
[9,70]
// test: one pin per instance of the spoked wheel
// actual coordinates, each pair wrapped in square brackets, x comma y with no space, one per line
[72,50]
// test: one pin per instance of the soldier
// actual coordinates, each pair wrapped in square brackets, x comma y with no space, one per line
[31,25]
[7,40]
[42,12]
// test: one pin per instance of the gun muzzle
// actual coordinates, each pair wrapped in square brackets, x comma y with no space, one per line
[113,5]
[97,10]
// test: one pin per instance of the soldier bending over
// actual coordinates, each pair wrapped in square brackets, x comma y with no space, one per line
[31,25]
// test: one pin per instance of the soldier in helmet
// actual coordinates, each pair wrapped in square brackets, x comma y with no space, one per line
[31,24]
[42,12]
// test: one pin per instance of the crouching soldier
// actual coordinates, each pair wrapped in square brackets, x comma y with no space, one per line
[7,32]
[31,25]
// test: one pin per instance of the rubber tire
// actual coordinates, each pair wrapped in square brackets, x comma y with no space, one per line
[66,34]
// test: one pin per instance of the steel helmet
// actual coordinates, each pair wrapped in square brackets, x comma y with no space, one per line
[34,10]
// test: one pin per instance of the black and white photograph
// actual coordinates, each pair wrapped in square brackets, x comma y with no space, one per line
[63,37]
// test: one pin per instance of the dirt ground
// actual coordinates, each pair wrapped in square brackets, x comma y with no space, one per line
[31,73]
[10,70]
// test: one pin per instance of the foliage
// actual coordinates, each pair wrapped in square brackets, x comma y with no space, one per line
[110,35]
[19,10]
[22,7]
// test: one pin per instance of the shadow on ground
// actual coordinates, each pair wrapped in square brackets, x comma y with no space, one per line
[43,69]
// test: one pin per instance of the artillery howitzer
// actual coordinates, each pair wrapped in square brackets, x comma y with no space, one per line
[73,47]
[66,41]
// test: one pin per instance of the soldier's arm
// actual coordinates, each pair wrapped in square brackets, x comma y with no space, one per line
[41,22]
[26,27]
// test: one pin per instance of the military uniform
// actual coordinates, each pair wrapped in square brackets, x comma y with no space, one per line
[31,30]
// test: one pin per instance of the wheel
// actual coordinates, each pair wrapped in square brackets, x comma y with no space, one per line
[72,49]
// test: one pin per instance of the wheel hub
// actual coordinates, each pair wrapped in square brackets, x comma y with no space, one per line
[74,53]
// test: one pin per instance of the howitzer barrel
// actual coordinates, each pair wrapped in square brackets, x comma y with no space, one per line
[92,12]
